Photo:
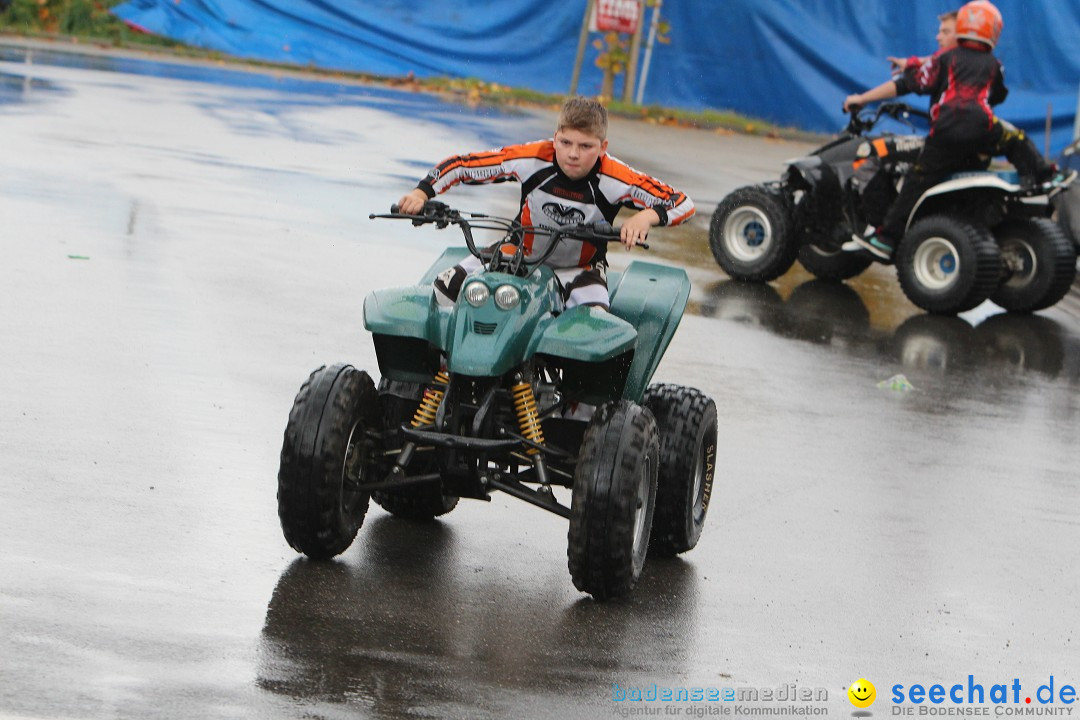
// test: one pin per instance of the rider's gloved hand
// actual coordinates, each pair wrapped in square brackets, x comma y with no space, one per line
[853,102]
[412,202]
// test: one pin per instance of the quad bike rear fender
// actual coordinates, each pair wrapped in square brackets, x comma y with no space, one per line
[996,186]
[651,298]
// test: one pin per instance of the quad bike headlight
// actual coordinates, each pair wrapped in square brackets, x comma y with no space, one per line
[507,297]
[476,293]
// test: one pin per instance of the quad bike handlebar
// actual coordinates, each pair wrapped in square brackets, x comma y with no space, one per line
[442,215]
[862,121]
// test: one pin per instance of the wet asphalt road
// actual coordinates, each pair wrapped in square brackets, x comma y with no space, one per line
[182,245]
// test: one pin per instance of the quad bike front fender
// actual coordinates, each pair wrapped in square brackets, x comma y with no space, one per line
[822,202]
[585,334]
[487,341]
[408,328]
[594,350]
[804,173]
[405,311]
[450,257]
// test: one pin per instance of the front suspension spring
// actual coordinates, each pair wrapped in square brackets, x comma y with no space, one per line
[429,404]
[528,417]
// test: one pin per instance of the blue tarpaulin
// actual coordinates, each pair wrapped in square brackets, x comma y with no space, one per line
[790,62]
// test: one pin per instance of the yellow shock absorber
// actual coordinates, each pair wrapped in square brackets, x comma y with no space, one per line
[528,417]
[429,404]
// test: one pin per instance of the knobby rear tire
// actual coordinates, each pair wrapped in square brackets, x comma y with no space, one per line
[686,422]
[947,266]
[1048,261]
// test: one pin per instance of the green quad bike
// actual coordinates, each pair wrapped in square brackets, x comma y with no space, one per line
[480,397]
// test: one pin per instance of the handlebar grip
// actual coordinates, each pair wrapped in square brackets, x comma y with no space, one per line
[605,229]
[394,209]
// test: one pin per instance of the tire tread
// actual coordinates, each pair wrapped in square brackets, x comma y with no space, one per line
[980,284]
[685,418]
[600,539]
[1051,287]
[315,441]
[780,257]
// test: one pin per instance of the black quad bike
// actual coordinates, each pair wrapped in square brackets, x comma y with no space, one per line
[487,395]
[974,236]
[1067,202]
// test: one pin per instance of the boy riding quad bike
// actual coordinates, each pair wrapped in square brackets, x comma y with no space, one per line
[478,396]
[973,236]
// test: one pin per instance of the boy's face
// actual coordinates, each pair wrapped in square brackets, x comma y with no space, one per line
[576,152]
[946,35]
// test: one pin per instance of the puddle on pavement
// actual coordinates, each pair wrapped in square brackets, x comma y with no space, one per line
[291,91]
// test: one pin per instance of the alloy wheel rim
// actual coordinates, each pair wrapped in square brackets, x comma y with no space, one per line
[699,483]
[1020,258]
[351,467]
[748,233]
[937,264]
[641,498]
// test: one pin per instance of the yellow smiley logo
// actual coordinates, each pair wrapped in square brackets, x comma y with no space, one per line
[862,693]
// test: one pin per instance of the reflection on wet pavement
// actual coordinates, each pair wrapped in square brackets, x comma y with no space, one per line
[1002,345]
[399,625]
[291,93]
[23,88]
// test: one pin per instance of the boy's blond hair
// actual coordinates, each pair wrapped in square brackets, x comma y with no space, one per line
[951,15]
[584,115]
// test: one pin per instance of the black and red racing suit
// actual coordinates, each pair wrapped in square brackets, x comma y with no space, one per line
[964,84]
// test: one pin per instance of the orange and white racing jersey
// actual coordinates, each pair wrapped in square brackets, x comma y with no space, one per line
[550,199]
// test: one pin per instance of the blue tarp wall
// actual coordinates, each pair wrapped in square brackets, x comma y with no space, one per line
[787,61]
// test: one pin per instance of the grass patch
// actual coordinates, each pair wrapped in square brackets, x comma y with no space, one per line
[75,19]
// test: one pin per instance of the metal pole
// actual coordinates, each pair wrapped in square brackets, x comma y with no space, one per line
[1076,124]
[582,38]
[1049,123]
[635,50]
[648,50]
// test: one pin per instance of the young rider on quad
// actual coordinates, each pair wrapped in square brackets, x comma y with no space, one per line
[963,82]
[946,40]
[877,186]
[567,180]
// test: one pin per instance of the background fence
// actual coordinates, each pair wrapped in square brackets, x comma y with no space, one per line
[786,61]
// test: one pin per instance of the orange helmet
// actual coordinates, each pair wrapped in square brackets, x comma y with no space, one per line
[980,21]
